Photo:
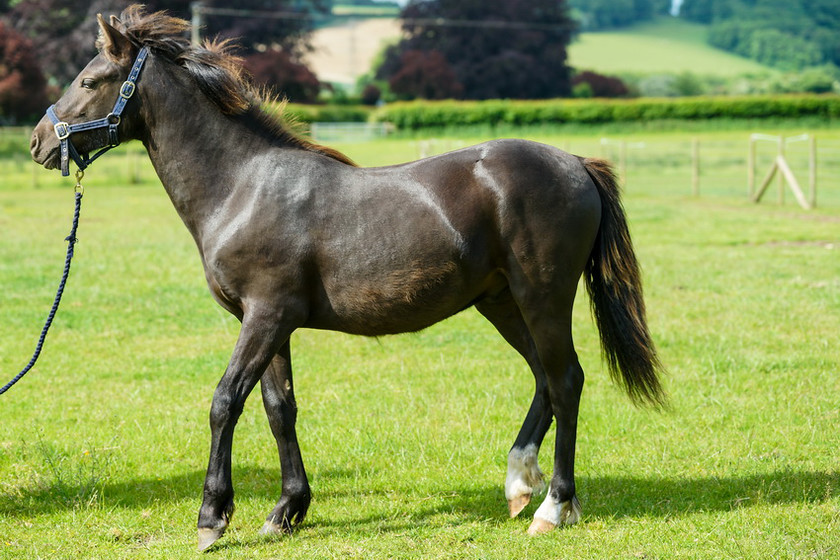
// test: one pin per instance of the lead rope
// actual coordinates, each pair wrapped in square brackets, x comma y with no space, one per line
[71,241]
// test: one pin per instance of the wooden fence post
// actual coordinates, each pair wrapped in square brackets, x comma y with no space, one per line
[781,157]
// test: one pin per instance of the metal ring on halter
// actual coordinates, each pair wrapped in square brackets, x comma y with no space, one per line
[79,188]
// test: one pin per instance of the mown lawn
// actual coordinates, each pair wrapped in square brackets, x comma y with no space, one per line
[103,445]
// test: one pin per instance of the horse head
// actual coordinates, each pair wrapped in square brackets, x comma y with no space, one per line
[94,113]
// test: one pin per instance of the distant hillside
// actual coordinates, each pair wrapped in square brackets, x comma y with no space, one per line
[665,45]
[344,52]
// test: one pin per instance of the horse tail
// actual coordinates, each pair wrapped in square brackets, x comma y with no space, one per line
[614,283]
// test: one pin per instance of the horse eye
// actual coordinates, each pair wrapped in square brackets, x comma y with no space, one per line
[88,83]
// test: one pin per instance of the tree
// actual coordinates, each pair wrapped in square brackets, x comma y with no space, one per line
[788,34]
[256,25]
[277,69]
[605,14]
[425,74]
[22,85]
[64,30]
[498,48]
[599,85]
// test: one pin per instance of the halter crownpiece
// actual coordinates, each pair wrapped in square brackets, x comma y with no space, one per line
[63,130]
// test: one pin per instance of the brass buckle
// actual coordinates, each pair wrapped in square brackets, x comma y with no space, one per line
[127,89]
[62,130]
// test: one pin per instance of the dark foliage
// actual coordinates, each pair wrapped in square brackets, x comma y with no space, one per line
[258,30]
[425,74]
[371,94]
[22,85]
[276,69]
[606,14]
[600,85]
[63,32]
[498,48]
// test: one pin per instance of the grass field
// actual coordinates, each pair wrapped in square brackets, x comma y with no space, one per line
[103,445]
[664,45]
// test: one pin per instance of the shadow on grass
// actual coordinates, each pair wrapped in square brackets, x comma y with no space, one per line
[602,497]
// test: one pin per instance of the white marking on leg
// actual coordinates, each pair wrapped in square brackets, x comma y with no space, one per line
[524,476]
[564,513]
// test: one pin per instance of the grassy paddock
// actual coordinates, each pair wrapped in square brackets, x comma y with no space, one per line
[103,446]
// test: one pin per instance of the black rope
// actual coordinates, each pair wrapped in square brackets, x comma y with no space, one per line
[71,241]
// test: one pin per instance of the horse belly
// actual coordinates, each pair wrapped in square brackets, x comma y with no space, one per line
[405,298]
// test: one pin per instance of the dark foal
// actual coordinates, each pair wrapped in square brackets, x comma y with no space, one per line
[293,235]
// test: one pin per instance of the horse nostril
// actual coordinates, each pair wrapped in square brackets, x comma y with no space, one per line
[33,144]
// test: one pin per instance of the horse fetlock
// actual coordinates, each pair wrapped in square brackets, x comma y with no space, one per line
[271,527]
[287,514]
[212,525]
[524,478]
[551,514]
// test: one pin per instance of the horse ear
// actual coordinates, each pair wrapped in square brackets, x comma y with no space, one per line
[113,44]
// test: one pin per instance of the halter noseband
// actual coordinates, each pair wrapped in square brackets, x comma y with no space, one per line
[112,121]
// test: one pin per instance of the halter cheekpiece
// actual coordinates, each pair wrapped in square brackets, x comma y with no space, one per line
[63,130]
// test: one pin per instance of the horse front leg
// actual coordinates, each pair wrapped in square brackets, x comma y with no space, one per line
[280,407]
[259,340]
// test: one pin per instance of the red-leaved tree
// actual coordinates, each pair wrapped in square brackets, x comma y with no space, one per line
[601,85]
[280,72]
[22,84]
[510,48]
[425,74]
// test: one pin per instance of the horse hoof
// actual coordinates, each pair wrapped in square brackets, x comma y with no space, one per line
[516,505]
[206,537]
[271,528]
[540,526]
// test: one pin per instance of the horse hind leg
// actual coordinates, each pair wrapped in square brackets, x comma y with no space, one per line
[281,409]
[564,376]
[524,478]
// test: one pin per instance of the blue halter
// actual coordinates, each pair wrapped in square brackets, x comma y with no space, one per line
[112,121]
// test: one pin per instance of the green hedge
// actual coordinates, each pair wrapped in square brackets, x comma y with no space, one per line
[424,114]
[328,113]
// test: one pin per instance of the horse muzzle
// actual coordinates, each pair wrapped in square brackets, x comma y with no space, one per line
[43,145]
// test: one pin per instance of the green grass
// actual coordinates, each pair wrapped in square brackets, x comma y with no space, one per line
[664,45]
[103,445]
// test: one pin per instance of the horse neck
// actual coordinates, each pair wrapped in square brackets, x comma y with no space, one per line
[192,145]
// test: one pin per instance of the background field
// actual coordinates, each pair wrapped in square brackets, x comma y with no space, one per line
[343,52]
[664,45]
[103,446]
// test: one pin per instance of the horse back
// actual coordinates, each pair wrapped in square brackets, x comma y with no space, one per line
[417,242]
